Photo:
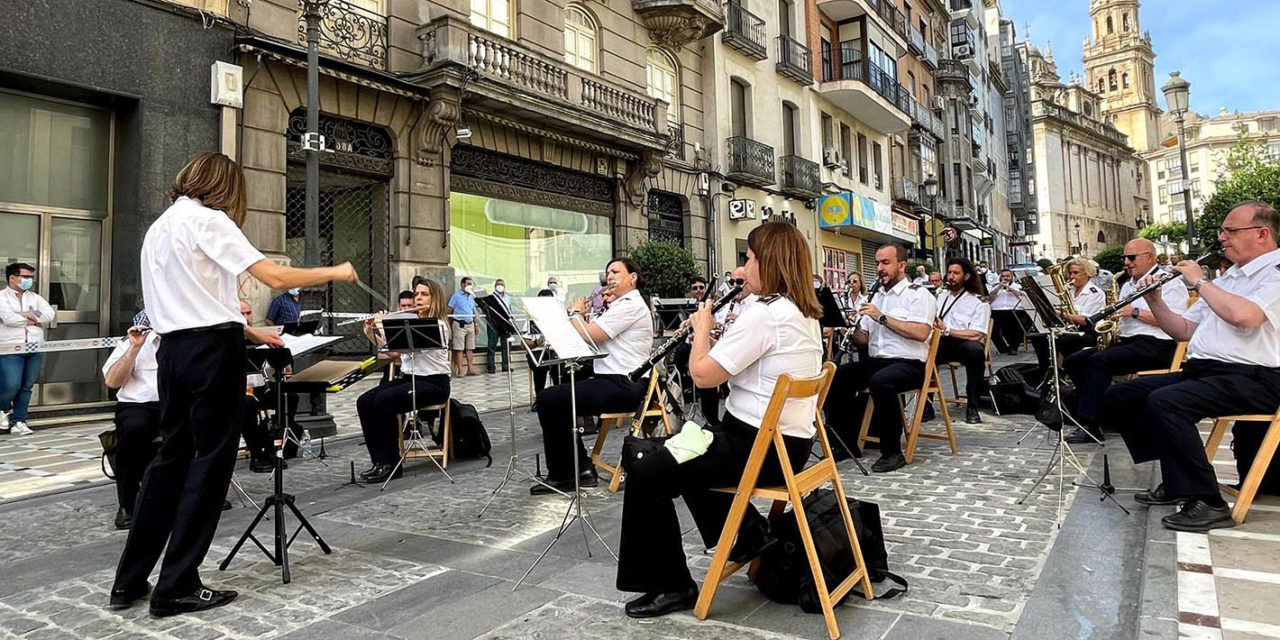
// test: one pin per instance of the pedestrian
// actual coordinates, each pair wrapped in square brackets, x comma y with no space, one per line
[191,258]
[922,276]
[462,326]
[495,341]
[595,301]
[554,286]
[286,308]
[24,315]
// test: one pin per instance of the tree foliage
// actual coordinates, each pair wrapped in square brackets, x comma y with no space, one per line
[1176,231]
[1254,175]
[665,267]
[1110,259]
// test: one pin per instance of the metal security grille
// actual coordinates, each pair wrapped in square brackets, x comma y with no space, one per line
[354,226]
[869,249]
[666,217]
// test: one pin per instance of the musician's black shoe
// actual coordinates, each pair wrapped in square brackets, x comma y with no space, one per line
[753,539]
[1156,497]
[889,462]
[589,478]
[1199,516]
[971,415]
[928,412]
[1081,436]
[364,475]
[125,597]
[123,519]
[198,600]
[384,471]
[652,605]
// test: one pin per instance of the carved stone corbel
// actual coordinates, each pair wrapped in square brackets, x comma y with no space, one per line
[648,166]
[443,110]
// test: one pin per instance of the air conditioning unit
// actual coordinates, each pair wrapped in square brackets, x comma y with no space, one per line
[830,158]
[938,103]
[962,51]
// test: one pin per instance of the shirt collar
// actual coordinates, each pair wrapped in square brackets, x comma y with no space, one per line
[1257,264]
[902,285]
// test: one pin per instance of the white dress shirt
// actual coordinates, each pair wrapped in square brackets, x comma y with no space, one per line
[735,308]
[141,385]
[424,362]
[1174,294]
[1089,300]
[191,257]
[965,312]
[629,325]
[1215,339]
[905,302]
[769,339]
[1008,297]
[13,326]
[850,304]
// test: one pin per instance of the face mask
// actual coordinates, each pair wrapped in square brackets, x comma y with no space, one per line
[817,284]
[26,283]
[552,286]
[295,291]
[500,288]
[469,288]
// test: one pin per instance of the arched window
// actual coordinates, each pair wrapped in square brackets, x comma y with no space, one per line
[492,15]
[1111,26]
[579,38]
[1124,79]
[664,81]
[1111,80]
[1124,22]
[1102,85]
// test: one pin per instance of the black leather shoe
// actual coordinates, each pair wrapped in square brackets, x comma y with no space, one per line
[1156,496]
[384,471]
[890,462]
[123,519]
[971,415]
[368,472]
[125,597]
[1199,516]
[261,466]
[199,600]
[651,605]
[589,478]
[753,539]
[1080,435]
[928,413]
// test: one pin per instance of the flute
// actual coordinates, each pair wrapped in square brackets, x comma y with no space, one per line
[374,315]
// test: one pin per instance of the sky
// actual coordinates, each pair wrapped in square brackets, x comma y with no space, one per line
[1229,50]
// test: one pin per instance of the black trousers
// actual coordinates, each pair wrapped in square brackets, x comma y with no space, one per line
[708,399]
[137,429]
[651,553]
[1009,327]
[540,374]
[379,407]
[201,381]
[1067,344]
[886,378]
[970,354]
[494,346]
[596,395]
[260,435]
[1157,416]
[1091,370]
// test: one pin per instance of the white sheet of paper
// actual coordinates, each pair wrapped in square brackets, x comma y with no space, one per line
[548,314]
[300,345]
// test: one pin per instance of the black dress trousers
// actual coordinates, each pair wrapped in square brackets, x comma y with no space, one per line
[596,395]
[201,382]
[972,355]
[379,407]
[1007,330]
[1091,370]
[886,378]
[651,553]
[137,428]
[1157,416]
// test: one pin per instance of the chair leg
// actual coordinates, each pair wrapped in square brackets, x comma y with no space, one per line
[911,427]
[815,566]
[866,423]
[715,573]
[1249,488]
[1214,440]
[596,458]
[447,428]
[946,420]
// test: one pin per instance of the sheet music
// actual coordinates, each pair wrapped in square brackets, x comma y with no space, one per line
[556,329]
[300,345]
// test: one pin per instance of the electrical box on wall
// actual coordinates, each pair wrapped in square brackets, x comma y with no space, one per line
[226,84]
[742,210]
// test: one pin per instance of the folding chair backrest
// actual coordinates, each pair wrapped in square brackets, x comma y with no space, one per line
[1179,354]
[931,369]
[787,388]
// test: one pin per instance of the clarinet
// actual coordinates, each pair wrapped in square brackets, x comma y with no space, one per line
[667,347]
[1142,291]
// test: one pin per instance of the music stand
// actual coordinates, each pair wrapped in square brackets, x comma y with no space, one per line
[408,332]
[301,327]
[278,360]
[832,316]
[572,352]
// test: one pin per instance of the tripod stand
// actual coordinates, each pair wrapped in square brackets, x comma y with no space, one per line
[413,334]
[278,500]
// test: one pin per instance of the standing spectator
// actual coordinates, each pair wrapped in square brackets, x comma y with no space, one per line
[23,316]
[286,308]
[934,281]
[495,341]
[989,278]
[554,286]
[405,301]
[922,276]
[595,301]
[1010,321]
[462,324]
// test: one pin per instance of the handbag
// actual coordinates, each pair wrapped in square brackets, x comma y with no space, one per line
[108,441]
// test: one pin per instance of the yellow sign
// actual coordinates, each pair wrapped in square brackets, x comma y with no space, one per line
[833,210]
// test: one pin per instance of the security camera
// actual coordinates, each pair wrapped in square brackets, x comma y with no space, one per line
[464,133]
[728,187]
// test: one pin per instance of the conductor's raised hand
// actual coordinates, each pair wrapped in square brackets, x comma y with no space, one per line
[345,272]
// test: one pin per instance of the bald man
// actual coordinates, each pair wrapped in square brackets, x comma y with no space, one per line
[1140,343]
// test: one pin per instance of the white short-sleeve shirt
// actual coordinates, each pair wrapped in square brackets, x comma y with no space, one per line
[769,339]
[1174,295]
[965,312]
[906,302]
[1008,297]
[191,257]
[1088,300]
[629,325]
[141,385]
[424,362]
[1215,339]
[735,308]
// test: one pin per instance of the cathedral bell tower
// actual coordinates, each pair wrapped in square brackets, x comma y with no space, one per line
[1119,65]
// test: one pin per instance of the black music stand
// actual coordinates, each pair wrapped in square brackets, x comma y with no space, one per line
[301,327]
[411,333]
[832,316]
[276,359]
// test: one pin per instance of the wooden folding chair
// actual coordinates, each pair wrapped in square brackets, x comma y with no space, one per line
[957,398]
[441,452]
[655,407]
[915,430]
[1179,355]
[795,487]
[1250,483]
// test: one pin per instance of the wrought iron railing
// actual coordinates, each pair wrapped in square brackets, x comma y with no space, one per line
[349,32]
[856,66]
[745,31]
[799,176]
[794,60]
[749,162]
[907,190]
[675,148]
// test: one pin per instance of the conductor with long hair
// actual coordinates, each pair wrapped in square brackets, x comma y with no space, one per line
[191,257]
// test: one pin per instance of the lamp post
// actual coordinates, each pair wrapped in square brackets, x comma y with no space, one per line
[312,141]
[1079,246]
[931,190]
[1177,95]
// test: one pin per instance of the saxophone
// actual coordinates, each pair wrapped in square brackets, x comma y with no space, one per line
[1066,305]
[1107,329]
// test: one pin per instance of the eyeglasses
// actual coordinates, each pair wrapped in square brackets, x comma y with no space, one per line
[1226,231]
[738,282]
[1133,256]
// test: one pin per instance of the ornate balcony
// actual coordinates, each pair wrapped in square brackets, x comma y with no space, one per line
[799,177]
[915,41]
[744,31]
[794,60]
[907,190]
[882,13]
[950,70]
[930,56]
[675,23]
[350,33]
[676,133]
[861,88]
[749,162]
[922,117]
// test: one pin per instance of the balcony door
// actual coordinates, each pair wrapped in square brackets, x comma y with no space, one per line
[738,107]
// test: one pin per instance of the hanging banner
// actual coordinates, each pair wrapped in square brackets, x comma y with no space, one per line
[833,210]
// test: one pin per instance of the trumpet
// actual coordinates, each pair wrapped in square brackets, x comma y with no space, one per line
[1142,291]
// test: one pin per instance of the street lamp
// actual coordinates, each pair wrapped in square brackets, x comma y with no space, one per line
[931,190]
[1177,95]
[1079,246]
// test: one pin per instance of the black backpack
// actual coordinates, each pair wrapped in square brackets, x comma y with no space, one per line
[1013,388]
[470,440]
[784,574]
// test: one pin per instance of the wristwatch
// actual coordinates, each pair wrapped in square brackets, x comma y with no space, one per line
[1196,287]
[946,332]
[883,319]
[1136,313]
